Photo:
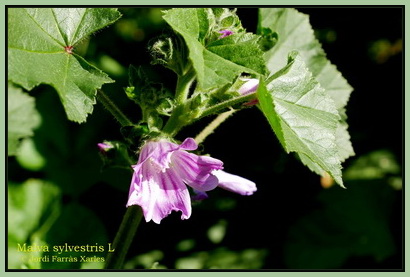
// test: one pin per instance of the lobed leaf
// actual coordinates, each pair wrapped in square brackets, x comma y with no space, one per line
[295,33]
[39,52]
[219,63]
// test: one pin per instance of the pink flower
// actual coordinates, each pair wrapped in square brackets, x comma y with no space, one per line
[165,169]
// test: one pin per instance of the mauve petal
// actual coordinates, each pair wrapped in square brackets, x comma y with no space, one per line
[188,144]
[133,186]
[161,150]
[235,183]
[162,153]
[163,169]
[158,152]
[159,193]
[173,196]
[146,151]
[196,170]
[142,187]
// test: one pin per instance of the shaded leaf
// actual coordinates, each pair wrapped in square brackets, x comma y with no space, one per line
[28,206]
[70,150]
[22,117]
[32,208]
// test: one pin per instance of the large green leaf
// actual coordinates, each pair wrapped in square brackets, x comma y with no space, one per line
[37,50]
[219,62]
[22,117]
[295,33]
[302,116]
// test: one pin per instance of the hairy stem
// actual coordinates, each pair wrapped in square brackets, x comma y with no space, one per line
[213,125]
[226,104]
[113,109]
[124,237]
[184,83]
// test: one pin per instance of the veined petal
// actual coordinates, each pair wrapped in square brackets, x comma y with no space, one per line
[164,169]
[188,144]
[134,187]
[159,193]
[173,196]
[142,190]
[158,152]
[196,170]
[235,183]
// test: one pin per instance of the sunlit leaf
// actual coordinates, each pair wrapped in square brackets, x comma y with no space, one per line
[303,117]
[295,33]
[220,62]
[40,51]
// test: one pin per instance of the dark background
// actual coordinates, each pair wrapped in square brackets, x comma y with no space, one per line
[291,222]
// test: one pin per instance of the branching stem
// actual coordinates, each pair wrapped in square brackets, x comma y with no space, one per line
[113,109]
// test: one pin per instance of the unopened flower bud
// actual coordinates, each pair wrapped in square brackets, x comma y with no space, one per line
[249,87]
[104,147]
[225,33]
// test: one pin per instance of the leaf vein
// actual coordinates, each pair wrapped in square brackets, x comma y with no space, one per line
[35,22]
[78,26]
[58,27]
[36,51]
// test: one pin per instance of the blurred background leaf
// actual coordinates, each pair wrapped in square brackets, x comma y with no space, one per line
[33,206]
[22,117]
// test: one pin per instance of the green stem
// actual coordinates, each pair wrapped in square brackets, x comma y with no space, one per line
[226,104]
[174,123]
[124,237]
[113,109]
[179,119]
[183,85]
